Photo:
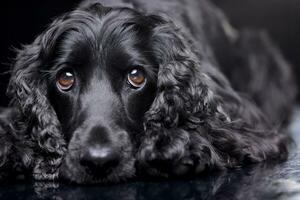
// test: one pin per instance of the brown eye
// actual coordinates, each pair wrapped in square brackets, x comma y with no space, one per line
[65,80]
[136,78]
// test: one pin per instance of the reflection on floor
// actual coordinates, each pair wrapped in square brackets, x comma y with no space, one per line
[259,182]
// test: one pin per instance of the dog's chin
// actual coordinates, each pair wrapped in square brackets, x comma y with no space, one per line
[74,173]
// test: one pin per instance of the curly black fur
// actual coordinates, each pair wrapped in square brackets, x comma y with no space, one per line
[215,97]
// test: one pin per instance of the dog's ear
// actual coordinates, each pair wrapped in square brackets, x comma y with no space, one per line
[183,101]
[37,119]
[15,150]
[196,114]
[184,87]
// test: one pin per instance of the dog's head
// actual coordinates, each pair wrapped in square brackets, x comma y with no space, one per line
[91,86]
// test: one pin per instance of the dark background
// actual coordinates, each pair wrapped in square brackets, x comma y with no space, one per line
[21,21]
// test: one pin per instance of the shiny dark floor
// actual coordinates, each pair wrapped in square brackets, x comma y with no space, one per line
[260,182]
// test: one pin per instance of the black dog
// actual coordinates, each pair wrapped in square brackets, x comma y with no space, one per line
[164,88]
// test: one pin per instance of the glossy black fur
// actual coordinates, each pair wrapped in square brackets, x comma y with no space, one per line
[215,98]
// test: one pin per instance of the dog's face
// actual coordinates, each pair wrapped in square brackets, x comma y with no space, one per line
[101,82]
[103,88]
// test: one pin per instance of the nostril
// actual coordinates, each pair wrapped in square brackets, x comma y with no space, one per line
[100,158]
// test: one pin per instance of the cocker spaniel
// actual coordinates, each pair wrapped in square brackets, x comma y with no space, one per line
[124,88]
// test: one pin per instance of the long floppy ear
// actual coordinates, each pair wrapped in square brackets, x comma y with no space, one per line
[197,120]
[15,151]
[37,119]
[183,101]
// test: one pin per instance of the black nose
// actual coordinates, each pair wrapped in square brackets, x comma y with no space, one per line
[100,159]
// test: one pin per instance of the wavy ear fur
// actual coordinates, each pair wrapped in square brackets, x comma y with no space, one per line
[36,119]
[197,120]
[15,150]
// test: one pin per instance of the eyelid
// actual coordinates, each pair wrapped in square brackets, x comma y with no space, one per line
[63,66]
[52,73]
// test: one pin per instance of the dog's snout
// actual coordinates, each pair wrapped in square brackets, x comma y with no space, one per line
[100,159]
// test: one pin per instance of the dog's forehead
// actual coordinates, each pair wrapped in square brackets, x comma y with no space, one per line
[116,26]
[115,36]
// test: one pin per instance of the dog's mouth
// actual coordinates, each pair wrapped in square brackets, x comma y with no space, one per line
[72,172]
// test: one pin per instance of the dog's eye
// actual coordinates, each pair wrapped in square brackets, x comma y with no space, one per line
[136,78]
[65,80]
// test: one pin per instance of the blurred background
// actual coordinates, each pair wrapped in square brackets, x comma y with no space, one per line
[21,21]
